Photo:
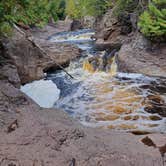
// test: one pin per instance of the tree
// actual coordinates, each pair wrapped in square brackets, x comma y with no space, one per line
[81,8]
[71,9]
[29,12]
[153,20]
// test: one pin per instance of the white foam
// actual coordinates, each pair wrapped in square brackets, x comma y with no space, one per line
[86,36]
[43,92]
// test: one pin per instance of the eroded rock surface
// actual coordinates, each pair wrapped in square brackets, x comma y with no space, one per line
[29,60]
[49,137]
[111,32]
[140,56]
[137,54]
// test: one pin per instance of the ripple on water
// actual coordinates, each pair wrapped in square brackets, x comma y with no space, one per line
[131,102]
[117,103]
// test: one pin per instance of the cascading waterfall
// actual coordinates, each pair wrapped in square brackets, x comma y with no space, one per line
[102,97]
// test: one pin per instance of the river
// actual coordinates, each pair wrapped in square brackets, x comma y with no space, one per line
[122,101]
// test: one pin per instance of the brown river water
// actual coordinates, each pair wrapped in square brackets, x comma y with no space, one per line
[110,100]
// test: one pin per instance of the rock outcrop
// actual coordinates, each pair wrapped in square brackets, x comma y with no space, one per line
[111,31]
[141,56]
[30,61]
[136,53]
[76,25]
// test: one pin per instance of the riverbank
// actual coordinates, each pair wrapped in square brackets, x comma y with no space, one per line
[136,53]
[51,137]
[30,135]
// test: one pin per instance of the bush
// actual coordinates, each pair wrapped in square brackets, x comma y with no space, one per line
[152,22]
[80,8]
[29,12]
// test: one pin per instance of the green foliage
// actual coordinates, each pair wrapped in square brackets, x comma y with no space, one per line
[153,21]
[71,9]
[81,8]
[125,6]
[29,12]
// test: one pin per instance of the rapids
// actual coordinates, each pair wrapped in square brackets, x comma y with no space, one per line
[114,100]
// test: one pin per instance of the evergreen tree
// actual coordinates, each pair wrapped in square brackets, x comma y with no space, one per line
[29,12]
[81,8]
[153,21]
[71,9]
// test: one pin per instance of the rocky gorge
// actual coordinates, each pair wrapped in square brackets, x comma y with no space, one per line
[31,135]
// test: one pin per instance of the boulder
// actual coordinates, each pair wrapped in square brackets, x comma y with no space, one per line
[30,61]
[137,54]
[89,22]
[76,25]
[141,56]
[113,30]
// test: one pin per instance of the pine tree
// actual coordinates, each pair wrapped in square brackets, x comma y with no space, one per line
[153,21]
[71,9]
[81,8]
[29,12]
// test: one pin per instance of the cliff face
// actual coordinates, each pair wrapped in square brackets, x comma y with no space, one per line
[136,54]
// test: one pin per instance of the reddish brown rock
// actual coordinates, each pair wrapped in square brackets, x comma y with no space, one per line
[30,60]
[138,56]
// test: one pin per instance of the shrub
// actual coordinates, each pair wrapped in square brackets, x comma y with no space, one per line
[80,8]
[152,22]
[29,12]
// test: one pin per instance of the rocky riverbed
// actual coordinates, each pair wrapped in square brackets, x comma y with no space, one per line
[31,135]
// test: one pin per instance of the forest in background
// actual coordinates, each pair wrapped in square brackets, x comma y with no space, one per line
[152,13]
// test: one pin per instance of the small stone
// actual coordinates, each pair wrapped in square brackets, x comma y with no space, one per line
[11,164]
[147,141]
[12,126]
[156,99]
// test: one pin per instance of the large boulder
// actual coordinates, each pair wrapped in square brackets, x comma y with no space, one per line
[30,61]
[137,54]
[141,56]
[113,29]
